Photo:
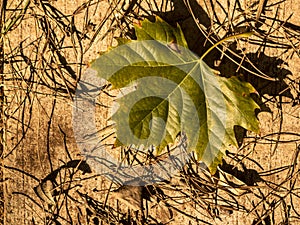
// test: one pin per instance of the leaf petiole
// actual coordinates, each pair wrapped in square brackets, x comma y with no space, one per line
[242,35]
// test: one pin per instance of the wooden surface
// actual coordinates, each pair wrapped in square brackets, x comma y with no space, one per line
[45,116]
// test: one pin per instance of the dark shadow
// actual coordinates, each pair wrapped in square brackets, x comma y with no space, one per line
[75,164]
[248,176]
[271,66]
[51,177]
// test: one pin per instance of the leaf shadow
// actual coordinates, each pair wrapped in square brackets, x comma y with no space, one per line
[274,67]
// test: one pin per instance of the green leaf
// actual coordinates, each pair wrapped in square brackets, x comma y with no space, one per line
[174,91]
[160,31]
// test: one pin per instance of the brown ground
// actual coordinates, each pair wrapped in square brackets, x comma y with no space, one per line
[43,178]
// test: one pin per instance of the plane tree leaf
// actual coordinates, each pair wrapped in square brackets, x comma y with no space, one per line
[173,91]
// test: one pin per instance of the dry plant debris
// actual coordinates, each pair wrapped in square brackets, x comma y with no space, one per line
[45,48]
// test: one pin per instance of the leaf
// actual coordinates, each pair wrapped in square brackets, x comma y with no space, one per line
[45,191]
[174,91]
[130,196]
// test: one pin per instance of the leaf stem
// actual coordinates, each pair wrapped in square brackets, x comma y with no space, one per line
[242,35]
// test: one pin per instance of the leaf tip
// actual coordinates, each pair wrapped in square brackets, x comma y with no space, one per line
[158,19]
[213,167]
[137,24]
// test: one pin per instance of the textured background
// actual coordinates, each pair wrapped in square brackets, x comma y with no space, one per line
[46,51]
